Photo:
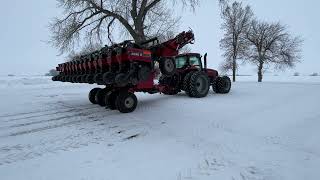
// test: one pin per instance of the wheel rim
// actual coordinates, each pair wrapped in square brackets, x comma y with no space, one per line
[129,102]
[201,85]
[226,85]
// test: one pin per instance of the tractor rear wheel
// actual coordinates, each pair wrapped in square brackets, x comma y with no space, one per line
[126,102]
[222,85]
[100,96]
[186,83]
[167,66]
[199,84]
[110,99]
[92,95]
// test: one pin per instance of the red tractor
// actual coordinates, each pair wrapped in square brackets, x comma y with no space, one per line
[193,77]
[128,67]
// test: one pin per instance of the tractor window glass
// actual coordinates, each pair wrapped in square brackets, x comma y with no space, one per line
[194,61]
[180,62]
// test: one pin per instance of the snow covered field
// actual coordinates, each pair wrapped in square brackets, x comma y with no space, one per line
[267,131]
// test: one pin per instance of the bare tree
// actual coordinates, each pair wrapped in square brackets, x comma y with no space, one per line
[272,44]
[236,21]
[97,21]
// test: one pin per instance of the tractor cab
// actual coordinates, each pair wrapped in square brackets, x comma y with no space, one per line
[193,62]
[189,60]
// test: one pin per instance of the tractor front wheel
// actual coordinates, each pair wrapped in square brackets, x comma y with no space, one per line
[92,95]
[126,102]
[222,85]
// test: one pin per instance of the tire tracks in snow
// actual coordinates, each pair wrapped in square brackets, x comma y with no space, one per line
[81,115]
[32,114]
[95,133]
[47,120]
[47,114]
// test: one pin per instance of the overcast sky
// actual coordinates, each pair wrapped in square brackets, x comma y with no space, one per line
[24,31]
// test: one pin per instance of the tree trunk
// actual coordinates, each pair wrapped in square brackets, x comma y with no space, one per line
[234,69]
[260,74]
[139,30]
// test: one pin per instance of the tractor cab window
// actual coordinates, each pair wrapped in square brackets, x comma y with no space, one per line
[195,61]
[181,62]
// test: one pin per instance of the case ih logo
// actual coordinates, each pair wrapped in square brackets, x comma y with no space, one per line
[136,54]
[144,53]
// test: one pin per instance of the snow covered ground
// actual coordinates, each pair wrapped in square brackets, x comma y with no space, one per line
[267,131]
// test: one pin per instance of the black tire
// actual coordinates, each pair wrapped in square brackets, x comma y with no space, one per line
[108,77]
[110,99]
[78,79]
[167,66]
[68,78]
[74,79]
[199,84]
[58,78]
[84,78]
[71,79]
[92,95]
[101,96]
[126,102]
[89,79]
[98,79]
[54,78]
[222,85]
[172,86]
[121,80]
[186,82]
[63,78]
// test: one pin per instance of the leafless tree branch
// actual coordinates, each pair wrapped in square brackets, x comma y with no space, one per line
[92,21]
[236,21]
[272,44]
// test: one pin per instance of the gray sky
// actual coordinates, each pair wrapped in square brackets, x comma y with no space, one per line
[24,30]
